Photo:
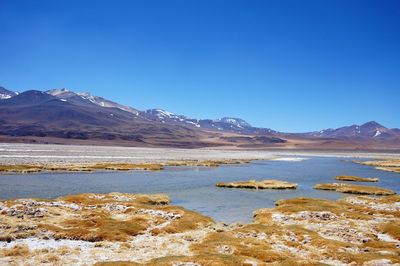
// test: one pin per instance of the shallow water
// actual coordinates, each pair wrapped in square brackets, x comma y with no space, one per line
[194,187]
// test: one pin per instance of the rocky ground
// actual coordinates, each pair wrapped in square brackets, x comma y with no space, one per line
[109,229]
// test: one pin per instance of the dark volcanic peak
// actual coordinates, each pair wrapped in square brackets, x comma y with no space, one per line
[372,125]
[6,94]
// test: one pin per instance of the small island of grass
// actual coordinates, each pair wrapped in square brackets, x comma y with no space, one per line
[355,189]
[390,165]
[356,178]
[264,184]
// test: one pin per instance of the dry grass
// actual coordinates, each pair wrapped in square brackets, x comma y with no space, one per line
[291,206]
[18,250]
[98,227]
[189,220]
[391,165]
[392,228]
[21,168]
[300,231]
[355,216]
[204,260]
[356,178]
[117,263]
[389,169]
[27,168]
[226,243]
[354,189]
[86,167]
[92,199]
[264,184]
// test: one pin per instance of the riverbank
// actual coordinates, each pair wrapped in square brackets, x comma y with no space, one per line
[144,229]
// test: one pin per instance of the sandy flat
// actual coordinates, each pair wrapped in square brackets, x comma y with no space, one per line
[16,153]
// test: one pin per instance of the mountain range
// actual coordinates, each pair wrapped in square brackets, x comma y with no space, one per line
[64,116]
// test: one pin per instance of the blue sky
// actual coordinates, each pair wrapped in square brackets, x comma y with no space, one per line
[288,65]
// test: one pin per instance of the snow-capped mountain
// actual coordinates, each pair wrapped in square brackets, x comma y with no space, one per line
[234,122]
[62,113]
[87,98]
[168,117]
[225,123]
[370,129]
[6,94]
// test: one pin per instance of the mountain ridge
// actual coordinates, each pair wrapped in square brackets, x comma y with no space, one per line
[62,113]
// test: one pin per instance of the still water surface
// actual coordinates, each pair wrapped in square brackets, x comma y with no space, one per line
[194,187]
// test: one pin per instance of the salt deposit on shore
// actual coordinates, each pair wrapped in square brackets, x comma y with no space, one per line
[14,153]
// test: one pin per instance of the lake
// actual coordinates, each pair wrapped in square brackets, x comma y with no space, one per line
[194,187]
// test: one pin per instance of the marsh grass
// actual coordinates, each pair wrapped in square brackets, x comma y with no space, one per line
[87,167]
[354,189]
[392,228]
[18,250]
[356,178]
[391,165]
[264,184]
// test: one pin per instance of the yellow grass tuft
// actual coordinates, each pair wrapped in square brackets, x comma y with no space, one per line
[356,178]
[354,189]
[264,184]
[18,250]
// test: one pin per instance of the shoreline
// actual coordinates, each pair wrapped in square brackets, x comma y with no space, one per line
[11,153]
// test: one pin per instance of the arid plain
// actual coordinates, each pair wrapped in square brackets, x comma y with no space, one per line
[135,229]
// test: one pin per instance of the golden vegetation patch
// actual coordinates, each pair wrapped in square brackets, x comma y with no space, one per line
[344,231]
[354,189]
[27,168]
[391,165]
[18,250]
[98,227]
[392,229]
[95,217]
[264,184]
[87,167]
[137,229]
[189,220]
[203,260]
[356,178]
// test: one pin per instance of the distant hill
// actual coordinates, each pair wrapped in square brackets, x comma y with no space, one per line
[64,116]
[369,130]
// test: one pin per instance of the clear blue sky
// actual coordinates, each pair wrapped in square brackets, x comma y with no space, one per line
[288,65]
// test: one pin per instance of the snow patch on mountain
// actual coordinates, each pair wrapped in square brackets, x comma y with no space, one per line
[6,94]
[86,96]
